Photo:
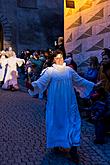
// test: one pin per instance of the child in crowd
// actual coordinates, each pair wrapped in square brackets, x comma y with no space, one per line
[99,113]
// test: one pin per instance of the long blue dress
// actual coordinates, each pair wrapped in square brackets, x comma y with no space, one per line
[62,116]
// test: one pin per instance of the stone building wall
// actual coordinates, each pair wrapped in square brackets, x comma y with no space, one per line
[87,29]
[8,22]
[31,24]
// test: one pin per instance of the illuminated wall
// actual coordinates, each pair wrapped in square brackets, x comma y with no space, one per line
[87,28]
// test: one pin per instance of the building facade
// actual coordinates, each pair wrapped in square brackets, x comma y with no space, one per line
[87,28]
[34,24]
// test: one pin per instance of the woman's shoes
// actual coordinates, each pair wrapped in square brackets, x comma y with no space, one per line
[56,149]
[74,155]
[14,88]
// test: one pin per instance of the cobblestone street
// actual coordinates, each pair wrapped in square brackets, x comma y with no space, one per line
[22,135]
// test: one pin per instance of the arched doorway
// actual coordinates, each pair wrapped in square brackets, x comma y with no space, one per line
[1,37]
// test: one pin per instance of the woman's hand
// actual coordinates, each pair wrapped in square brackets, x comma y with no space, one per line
[29,86]
[99,84]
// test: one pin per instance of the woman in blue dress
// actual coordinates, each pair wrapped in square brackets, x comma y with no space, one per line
[63,121]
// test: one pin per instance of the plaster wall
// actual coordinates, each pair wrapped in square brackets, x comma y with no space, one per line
[87,29]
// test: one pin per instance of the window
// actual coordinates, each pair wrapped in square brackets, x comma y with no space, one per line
[70,4]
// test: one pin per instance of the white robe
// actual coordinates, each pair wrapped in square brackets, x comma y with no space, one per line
[62,115]
[12,73]
[3,62]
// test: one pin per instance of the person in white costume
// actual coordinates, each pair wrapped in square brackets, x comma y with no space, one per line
[62,116]
[3,62]
[10,81]
[10,52]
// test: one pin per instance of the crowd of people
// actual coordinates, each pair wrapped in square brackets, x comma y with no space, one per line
[99,99]
[54,74]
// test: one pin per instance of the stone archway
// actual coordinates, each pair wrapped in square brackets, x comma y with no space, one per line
[1,37]
[5,32]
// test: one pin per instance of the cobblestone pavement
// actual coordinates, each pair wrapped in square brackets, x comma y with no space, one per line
[22,135]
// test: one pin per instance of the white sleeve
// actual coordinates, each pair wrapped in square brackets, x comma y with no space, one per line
[20,61]
[41,84]
[83,86]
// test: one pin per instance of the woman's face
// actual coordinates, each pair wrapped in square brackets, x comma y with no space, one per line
[105,58]
[59,59]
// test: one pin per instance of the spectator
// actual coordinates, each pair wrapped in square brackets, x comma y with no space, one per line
[104,72]
[70,62]
[49,59]
[60,45]
[98,110]
[37,65]
[100,113]
[93,69]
